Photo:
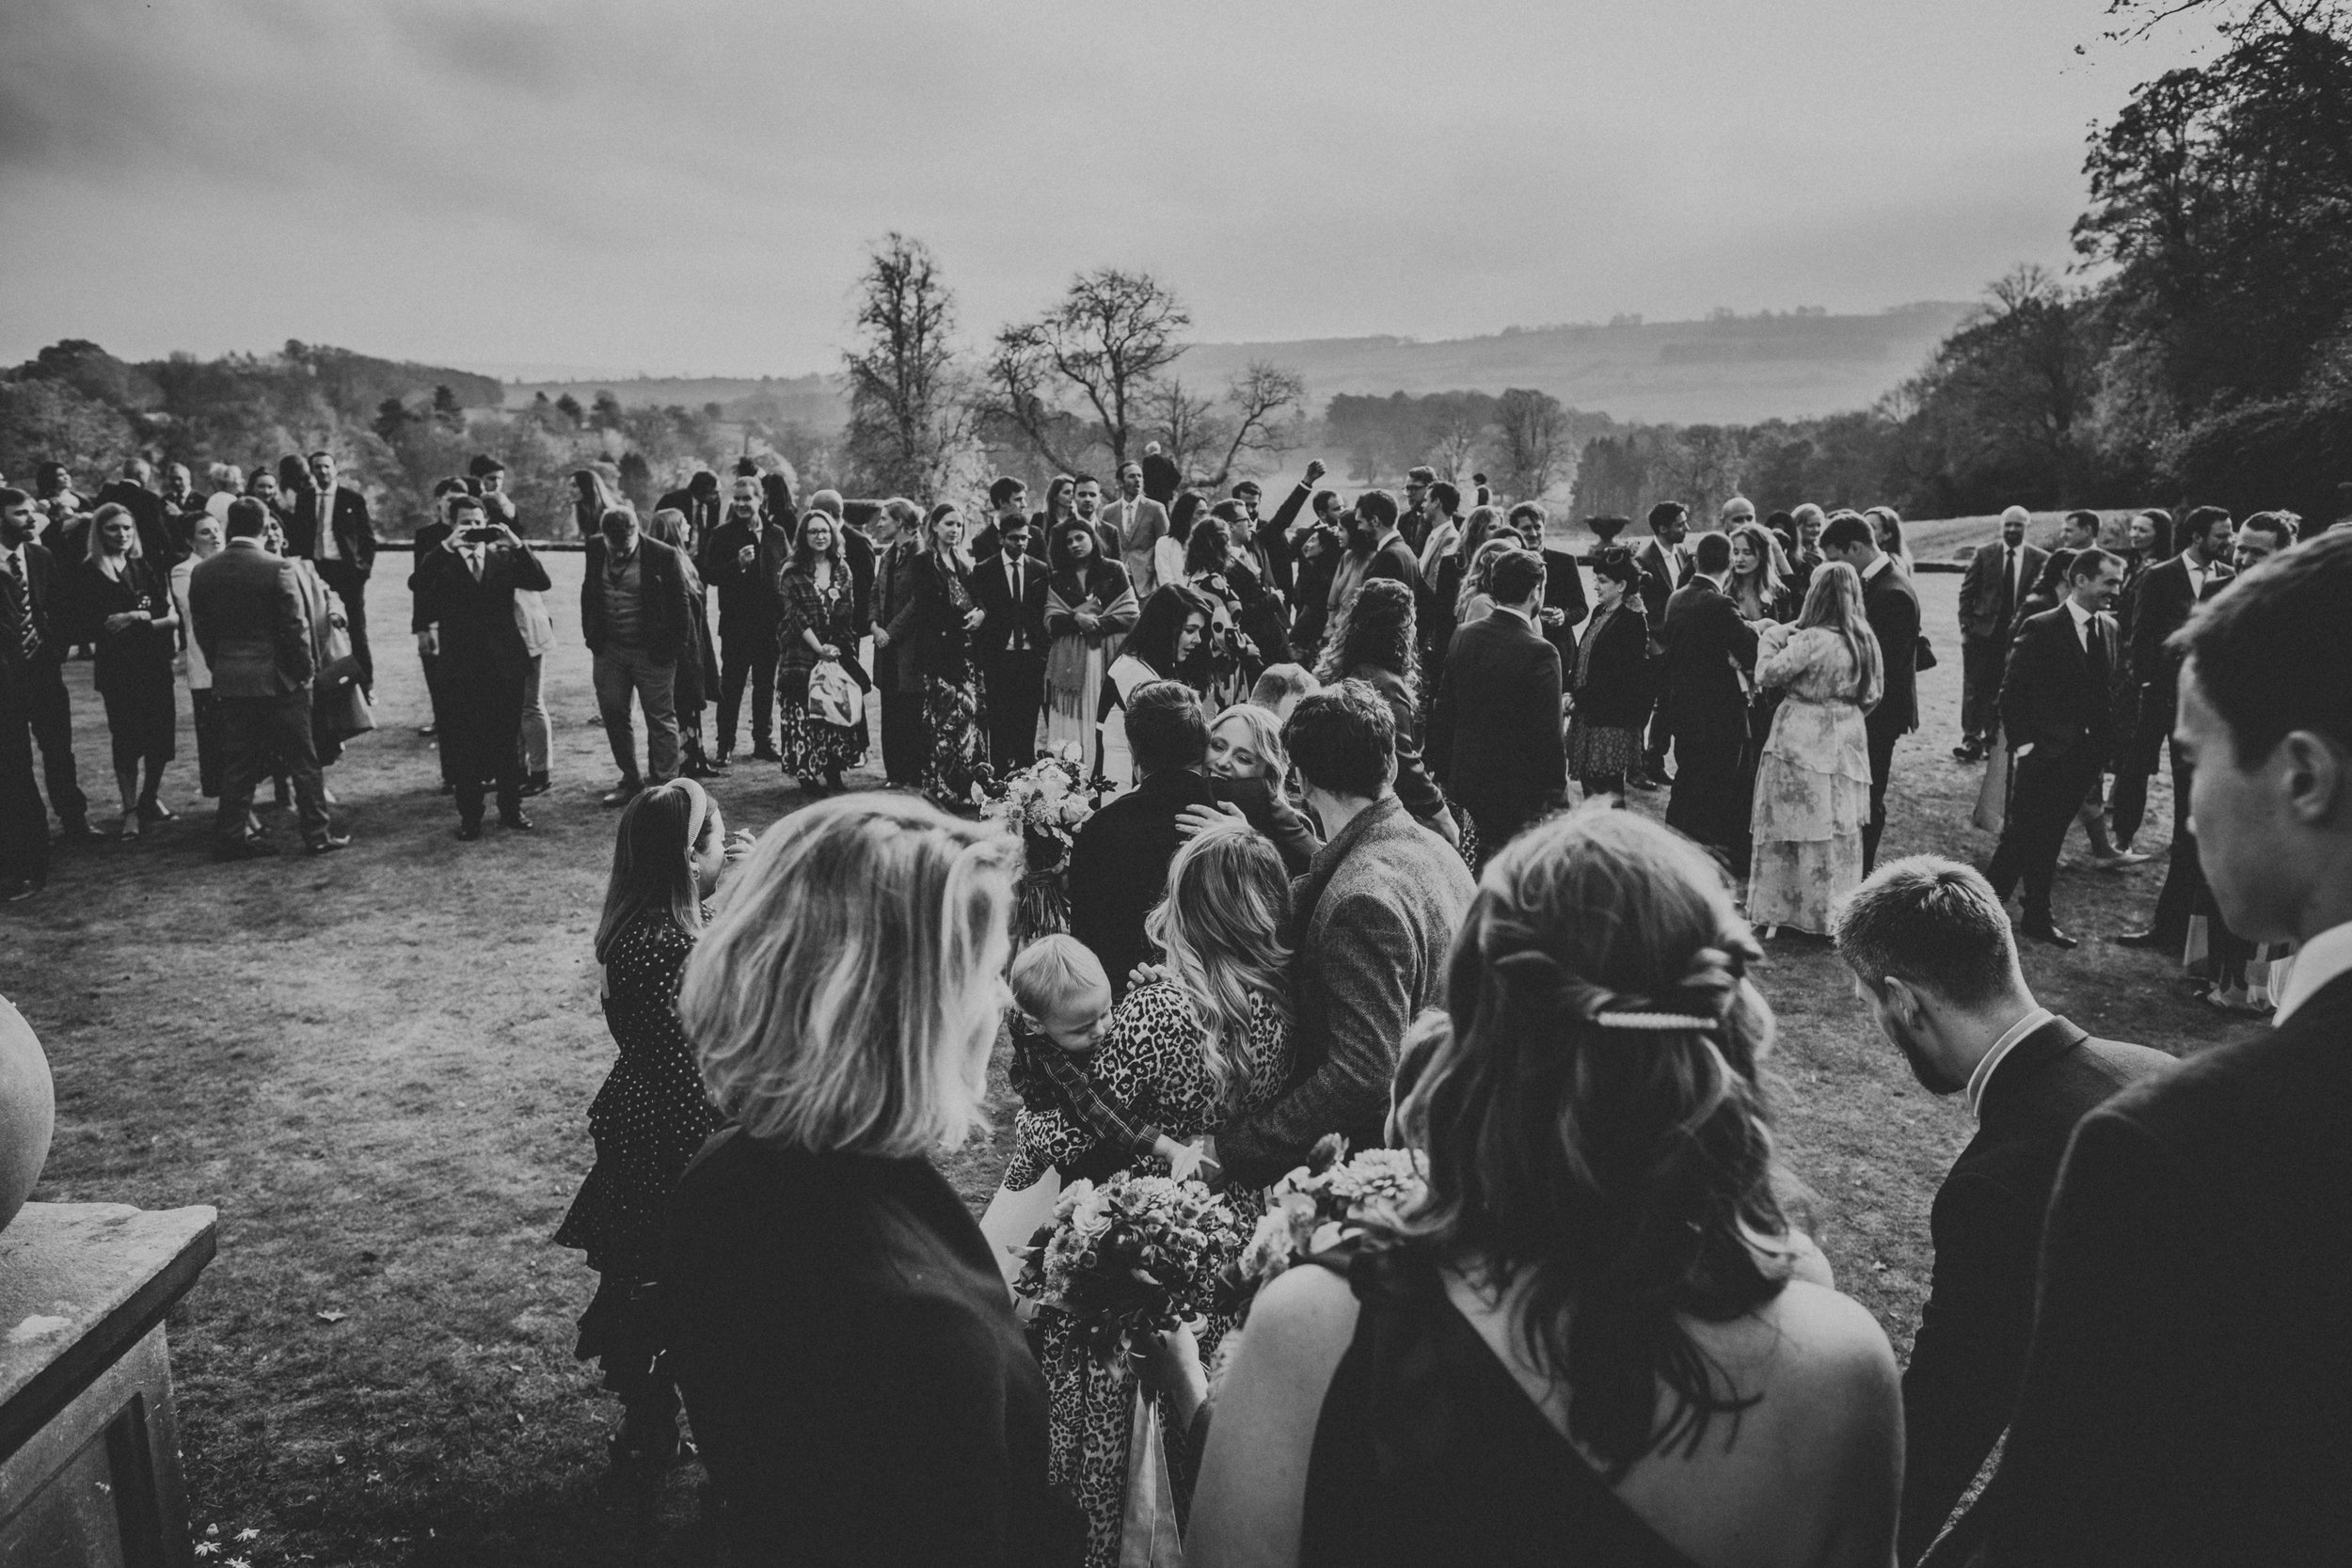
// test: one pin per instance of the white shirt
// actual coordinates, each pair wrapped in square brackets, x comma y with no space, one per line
[2001,1048]
[15,559]
[2198,572]
[2082,623]
[328,546]
[2316,962]
[1881,564]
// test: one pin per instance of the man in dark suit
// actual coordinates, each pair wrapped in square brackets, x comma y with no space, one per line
[1893,610]
[470,579]
[1118,864]
[1494,729]
[698,498]
[1704,705]
[1375,914]
[744,558]
[256,638]
[2161,604]
[329,525]
[1007,498]
[635,615]
[1162,479]
[1997,580]
[1413,522]
[1665,565]
[157,540]
[1011,643]
[2058,712]
[422,619]
[2187,1399]
[1377,549]
[37,710]
[1933,954]
[1564,605]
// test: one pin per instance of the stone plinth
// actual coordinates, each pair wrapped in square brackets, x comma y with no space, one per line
[89,1449]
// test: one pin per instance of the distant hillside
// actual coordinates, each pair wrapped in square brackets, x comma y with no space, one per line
[1733,369]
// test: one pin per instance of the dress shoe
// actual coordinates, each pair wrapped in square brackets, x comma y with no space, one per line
[80,831]
[2045,929]
[622,793]
[2118,861]
[468,832]
[517,821]
[328,845]
[724,761]
[130,828]
[2151,940]
[1970,753]
[245,849]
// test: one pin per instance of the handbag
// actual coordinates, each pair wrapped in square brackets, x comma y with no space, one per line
[833,697]
[1925,657]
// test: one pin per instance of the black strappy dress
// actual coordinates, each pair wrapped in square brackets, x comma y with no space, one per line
[1428,1449]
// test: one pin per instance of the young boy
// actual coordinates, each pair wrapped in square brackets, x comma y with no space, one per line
[1065,1003]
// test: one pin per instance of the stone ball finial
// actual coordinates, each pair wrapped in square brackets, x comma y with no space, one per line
[28,1109]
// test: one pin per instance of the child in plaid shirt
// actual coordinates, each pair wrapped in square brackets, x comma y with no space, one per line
[1063,999]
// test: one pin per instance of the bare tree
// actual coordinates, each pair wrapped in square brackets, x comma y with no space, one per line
[908,412]
[1455,438]
[1107,343]
[1531,441]
[1187,426]
[1269,407]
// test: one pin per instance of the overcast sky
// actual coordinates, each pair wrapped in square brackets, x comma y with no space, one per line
[676,187]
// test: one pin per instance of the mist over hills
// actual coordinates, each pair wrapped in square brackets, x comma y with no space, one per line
[1725,370]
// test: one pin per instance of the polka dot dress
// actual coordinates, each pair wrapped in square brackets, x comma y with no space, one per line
[651,1115]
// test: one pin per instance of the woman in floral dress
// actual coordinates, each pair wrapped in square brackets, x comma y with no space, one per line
[1813,777]
[946,615]
[1208,1041]
[819,623]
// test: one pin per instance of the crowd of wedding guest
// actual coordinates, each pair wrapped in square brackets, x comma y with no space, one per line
[1603,1335]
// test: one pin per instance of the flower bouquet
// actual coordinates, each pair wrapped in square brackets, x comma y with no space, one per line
[1044,805]
[1134,1256]
[1323,1203]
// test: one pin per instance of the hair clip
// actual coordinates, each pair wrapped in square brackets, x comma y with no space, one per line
[1654,1022]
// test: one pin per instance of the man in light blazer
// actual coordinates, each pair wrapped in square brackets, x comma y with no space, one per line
[1141,523]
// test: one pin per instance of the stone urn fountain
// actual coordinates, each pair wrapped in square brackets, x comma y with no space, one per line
[28,1109]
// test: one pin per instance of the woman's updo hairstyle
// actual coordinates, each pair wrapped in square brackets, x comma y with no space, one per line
[1594,1124]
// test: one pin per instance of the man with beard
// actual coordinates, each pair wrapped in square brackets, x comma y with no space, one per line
[743,557]
[699,500]
[329,525]
[1011,643]
[1932,956]
[1991,592]
[1139,522]
[1564,605]
[34,708]
[1085,500]
[1374,549]
[1413,522]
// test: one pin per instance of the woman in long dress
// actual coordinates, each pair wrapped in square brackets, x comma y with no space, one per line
[1165,646]
[1238,607]
[1089,610]
[1609,682]
[652,1113]
[126,611]
[819,623]
[946,616]
[1813,777]
[697,661]
[1209,1041]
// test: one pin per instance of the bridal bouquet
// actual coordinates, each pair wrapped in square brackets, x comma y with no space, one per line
[1323,1203]
[1133,1256]
[1044,805]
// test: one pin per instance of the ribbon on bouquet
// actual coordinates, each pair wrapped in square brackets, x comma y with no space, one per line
[1148,1535]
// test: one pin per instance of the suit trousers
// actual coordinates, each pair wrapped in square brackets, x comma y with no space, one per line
[749,650]
[905,737]
[535,744]
[2183,875]
[273,732]
[351,586]
[480,734]
[1015,686]
[2043,803]
[2150,736]
[1882,743]
[23,823]
[1983,660]
[51,715]
[207,741]
[1706,803]
[621,673]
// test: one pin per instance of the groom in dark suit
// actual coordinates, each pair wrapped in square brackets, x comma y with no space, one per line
[469,581]
[1494,729]
[2061,725]
[1705,707]
[1011,643]
[1927,942]
[2187,1399]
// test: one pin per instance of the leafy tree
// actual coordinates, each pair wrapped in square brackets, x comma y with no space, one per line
[1104,344]
[447,411]
[569,408]
[605,412]
[45,420]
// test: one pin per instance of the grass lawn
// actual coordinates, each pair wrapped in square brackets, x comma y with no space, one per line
[379,1066]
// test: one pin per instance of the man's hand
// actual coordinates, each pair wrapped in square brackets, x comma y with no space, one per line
[828,651]
[429,641]
[743,557]
[1146,975]
[1316,470]
[1193,821]
[881,639]
[972,618]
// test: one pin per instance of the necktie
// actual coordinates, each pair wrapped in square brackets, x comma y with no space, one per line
[473,563]
[19,602]
[1012,571]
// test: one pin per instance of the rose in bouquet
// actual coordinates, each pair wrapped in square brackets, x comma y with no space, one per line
[1323,1203]
[1130,1257]
[1044,805]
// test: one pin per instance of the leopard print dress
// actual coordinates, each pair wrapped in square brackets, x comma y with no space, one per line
[1149,1062]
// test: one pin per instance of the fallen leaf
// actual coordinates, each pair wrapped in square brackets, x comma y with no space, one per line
[332,1315]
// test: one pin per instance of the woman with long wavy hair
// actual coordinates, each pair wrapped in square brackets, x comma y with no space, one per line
[1168,643]
[1089,610]
[1599,1339]
[1375,642]
[820,623]
[946,616]
[1813,771]
[697,659]
[1208,1041]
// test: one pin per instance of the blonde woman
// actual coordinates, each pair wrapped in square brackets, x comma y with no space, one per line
[651,1115]
[124,602]
[206,539]
[1812,772]
[859,1390]
[1209,1039]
